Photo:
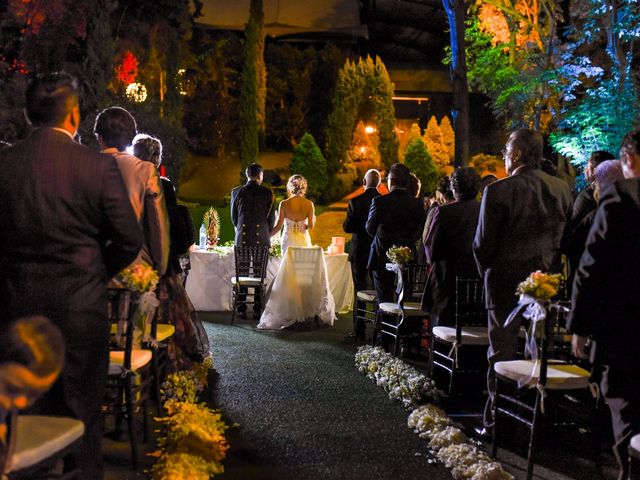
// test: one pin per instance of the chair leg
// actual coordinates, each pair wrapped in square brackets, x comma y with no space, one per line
[128,400]
[532,439]
[234,296]
[376,330]
[156,372]
[496,430]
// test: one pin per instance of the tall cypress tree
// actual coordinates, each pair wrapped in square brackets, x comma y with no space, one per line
[253,88]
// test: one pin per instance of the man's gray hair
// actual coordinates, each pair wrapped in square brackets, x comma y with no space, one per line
[530,144]
[372,177]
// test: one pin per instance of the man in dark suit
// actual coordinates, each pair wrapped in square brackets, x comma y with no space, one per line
[66,228]
[449,247]
[606,301]
[355,223]
[394,219]
[520,230]
[253,215]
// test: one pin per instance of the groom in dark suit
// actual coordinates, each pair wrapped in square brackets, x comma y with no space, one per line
[520,230]
[253,215]
[606,301]
[394,219]
[66,228]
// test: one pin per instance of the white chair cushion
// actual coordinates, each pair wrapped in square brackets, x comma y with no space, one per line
[248,281]
[39,437]
[410,309]
[139,358]
[469,335]
[367,295]
[634,444]
[560,376]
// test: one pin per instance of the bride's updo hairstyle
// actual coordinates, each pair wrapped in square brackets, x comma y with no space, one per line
[297,185]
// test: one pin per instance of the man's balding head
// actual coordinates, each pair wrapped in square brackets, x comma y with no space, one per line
[371,178]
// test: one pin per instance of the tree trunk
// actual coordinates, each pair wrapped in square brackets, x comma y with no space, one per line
[456,11]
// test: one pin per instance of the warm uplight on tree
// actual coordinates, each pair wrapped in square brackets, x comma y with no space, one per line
[136,92]
[363,150]
[127,70]
[369,129]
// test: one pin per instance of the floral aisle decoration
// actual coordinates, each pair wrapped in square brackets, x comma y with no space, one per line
[399,255]
[211,222]
[541,286]
[451,446]
[142,280]
[192,443]
[447,442]
[186,385]
[402,382]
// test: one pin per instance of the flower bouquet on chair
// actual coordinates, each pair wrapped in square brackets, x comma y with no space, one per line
[399,255]
[141,279]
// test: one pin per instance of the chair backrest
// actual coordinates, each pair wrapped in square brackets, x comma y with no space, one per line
[470,307]
[416,278]
[251,261]
[120,312]
[306,260]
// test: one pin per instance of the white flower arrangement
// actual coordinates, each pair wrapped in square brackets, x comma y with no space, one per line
[447,442]
[402,382]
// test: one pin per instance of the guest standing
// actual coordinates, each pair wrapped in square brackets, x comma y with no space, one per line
[66,228]
[115,130]
[606,301]
[520,230]
[253,216]
[449,247]
[355,223]
[394,219]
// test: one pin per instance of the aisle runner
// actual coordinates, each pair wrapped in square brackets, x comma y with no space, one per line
[448,443]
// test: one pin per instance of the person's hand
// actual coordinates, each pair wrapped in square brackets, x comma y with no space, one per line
[578,344]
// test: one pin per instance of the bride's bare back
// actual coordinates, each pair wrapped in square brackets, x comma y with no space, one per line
[296,208]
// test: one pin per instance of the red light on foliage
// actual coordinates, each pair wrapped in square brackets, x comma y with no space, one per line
[127,70]
[163,171]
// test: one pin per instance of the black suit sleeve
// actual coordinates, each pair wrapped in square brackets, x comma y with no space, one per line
[120,226]
[271,216]
[592,277]
[488,232]
[373,219]
[234,207]
[349,225]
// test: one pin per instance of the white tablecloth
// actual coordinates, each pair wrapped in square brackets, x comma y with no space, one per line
[209,281]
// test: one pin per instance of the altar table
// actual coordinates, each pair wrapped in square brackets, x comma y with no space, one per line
[209,281]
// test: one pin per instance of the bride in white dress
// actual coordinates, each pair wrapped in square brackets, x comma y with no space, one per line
[300,290]
[297,215]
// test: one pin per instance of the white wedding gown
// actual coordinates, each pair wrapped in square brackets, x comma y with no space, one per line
[294,234]
[300,290]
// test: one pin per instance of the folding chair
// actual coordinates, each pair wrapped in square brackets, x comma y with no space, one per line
[525,389]
[400,320]
[129,371]
[461,350]
[251,268]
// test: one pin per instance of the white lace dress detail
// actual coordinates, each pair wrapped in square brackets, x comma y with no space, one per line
[294,234]
[300,290]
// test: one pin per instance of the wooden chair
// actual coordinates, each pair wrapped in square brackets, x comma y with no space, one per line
[36,443]
[251,269]
[401,320]
[461,350]
[129,371]
[525,390]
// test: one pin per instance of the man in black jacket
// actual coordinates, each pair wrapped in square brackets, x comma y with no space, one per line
[394,219]
[253,214]
[355,223]
[66,228]
[520,230]
[606,301]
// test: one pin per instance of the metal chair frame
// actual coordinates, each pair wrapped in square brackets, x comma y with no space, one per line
[516,406]
[470,311]
[250,262]
[393,327]
[124,396]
